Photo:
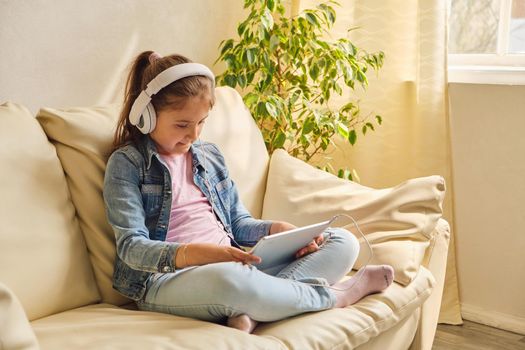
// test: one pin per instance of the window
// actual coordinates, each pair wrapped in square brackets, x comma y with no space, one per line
[486,41]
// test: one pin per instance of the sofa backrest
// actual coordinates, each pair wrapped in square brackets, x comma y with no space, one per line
[43,257]
[83,136]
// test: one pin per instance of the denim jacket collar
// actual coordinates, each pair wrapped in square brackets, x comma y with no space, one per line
[150,150]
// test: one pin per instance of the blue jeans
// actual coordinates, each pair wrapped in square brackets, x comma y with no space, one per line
[217,291]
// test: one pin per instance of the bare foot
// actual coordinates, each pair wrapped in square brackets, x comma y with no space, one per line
[369,279]
[242,323]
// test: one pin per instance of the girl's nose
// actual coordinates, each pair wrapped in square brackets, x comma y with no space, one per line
[194,133]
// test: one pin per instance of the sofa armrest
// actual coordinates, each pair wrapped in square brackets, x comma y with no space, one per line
[435,260]
[15,331]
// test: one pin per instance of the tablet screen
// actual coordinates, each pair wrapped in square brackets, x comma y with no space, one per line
[279,249]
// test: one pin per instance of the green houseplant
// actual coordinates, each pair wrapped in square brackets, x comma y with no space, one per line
[287,73]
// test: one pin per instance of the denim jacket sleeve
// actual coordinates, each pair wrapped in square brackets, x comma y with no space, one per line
[126,215]
[246,229]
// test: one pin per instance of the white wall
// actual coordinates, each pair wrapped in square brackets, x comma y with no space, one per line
[64,53]
[488,150]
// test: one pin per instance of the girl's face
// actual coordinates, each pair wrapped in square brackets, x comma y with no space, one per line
[176,130]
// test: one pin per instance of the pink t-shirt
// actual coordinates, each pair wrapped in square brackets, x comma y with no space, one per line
[191,217]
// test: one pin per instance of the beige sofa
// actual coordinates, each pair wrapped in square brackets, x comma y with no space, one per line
[57,250]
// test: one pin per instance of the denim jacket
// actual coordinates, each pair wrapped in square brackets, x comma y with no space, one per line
[137,195]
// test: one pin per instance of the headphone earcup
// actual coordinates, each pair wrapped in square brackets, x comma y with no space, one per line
[148,119]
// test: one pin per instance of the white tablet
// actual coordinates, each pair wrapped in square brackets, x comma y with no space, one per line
[278,250]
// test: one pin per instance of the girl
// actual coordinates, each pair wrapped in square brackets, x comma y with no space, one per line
[179,223]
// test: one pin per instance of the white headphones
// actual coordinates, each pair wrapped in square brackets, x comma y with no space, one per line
[142,113]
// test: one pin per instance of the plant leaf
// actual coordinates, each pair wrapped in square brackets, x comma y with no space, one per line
[250,55]
[274,42]
[343,130]
[251,98]
[272,110]
[310,17]
[241,80]
[308,126]
[267,19]
[314,72]
[230,80]
[228,44]
[352,137]
[279,140]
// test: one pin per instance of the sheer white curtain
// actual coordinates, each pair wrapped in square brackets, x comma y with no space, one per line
[410,94]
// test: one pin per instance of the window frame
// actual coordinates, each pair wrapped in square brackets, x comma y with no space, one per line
[501,67]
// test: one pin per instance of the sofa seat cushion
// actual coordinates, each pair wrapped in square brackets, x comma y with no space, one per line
[107,326]
[354,325]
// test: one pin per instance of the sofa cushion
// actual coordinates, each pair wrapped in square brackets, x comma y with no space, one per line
[15,331]
[83,137]
[105,326]
[397,221]
[349,327]
[43,256]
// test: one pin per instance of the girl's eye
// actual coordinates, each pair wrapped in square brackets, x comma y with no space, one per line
[181,126]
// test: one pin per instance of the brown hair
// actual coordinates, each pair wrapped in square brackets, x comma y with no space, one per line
[173,96]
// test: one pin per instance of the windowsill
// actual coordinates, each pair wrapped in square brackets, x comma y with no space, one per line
[478,74]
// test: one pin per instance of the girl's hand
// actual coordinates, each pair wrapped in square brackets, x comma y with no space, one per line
[310,248]
[238,255]
[281,226]
[195,254]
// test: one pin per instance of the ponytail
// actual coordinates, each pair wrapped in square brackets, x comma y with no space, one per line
[126,133]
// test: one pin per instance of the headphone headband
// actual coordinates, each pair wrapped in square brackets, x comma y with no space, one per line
[177,72]
[142,113]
